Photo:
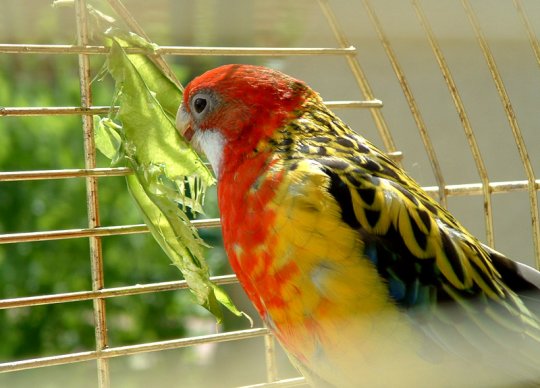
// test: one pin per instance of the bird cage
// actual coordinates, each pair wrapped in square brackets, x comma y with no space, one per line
[449,89]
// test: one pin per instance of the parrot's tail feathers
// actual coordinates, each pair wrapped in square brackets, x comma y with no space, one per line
[520,278]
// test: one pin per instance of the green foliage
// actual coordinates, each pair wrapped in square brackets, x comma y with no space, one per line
[27,269]
[169,177]
[56,142]
[38,268]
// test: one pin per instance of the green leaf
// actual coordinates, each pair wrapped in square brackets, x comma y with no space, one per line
[226,301]
[166,92]
[173,232]
[168,175]
[147,126]
[107,138]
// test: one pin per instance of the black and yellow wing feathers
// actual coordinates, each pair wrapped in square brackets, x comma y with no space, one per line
[459,293]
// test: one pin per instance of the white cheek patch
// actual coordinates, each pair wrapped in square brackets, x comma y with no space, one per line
[211,142]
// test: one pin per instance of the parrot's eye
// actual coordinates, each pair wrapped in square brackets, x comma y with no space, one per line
[202,103]
[199,104]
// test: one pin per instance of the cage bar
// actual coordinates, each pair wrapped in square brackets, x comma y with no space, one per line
[535,45]
[270,358]
[512,120]
[464,118]
[413,106]
[96,256]
[99,110]
[53,110]
[359,75]
[177,50]
[107,293]
[107,353]
[36,175]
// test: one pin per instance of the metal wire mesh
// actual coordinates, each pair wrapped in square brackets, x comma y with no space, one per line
[95,232]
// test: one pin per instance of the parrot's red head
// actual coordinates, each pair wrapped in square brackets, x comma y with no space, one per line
[228,110]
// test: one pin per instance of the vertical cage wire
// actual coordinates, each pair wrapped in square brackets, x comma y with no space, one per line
[96,252]
[512,120]
[359,75]
[95,232]
[464,118]
[528,27]
[413,106]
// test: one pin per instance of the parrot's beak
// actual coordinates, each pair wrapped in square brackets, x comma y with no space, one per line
[183,124]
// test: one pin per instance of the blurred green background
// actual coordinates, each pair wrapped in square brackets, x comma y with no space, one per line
[55,142]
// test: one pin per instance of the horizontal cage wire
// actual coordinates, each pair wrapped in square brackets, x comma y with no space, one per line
[459,94]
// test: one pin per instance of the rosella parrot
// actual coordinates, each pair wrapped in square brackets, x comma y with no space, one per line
[363,278]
